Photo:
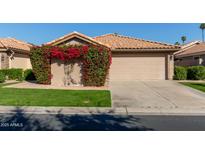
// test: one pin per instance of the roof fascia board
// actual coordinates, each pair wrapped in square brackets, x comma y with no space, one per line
[145,50]
[3,49]
[70,37]
[191,54]
[79,37]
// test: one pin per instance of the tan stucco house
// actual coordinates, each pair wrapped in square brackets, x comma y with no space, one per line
[132,58]
[14,54]
[191,54]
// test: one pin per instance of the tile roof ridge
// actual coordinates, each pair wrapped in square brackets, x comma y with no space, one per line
[103,35]
[187,46]
[190,44]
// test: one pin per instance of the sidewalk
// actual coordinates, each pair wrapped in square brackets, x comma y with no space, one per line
[94,110]
[33,85]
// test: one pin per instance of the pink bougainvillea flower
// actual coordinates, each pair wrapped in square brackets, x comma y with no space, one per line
[85,49]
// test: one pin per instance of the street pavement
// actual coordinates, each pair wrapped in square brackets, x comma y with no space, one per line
[21,121]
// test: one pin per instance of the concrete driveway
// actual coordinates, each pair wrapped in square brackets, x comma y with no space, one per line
[163,97]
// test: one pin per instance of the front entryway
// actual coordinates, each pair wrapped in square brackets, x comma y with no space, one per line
[66,73]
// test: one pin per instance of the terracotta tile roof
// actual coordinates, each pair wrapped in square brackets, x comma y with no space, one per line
[187,45]
[195,49]
[124,42]
[114,42]
[12,43]
[72,35]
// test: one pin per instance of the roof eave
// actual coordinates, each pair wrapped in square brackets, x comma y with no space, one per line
[3,49]
[145,50]
[21,51]
[191,54]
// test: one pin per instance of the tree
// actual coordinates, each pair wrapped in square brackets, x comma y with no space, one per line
[176,43]
[183,38]
[202,27]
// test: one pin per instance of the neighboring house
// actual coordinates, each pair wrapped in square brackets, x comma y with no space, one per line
[132,58]
[192,54]
[14,54]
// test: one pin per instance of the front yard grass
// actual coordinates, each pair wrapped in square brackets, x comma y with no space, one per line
[198,86]
[52,97]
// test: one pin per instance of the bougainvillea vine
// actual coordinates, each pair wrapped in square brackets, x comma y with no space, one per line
[96,62]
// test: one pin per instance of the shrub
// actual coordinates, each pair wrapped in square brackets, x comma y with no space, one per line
[13,73]
[96,65]
[180,73]
[96,61]
[196,73]
[2,77]
[41,64]
[29,75]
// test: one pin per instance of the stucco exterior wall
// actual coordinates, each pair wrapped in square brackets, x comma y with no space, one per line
[74,41]
[169,66]
[66,74]
[202,60]
[20,61]
[4,60]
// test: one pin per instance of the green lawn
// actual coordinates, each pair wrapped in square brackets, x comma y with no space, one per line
[52,97]
[198,86]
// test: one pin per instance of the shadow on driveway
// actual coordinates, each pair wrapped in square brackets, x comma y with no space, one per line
[19,121]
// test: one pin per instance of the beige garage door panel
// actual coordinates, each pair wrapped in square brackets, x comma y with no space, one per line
[138,68]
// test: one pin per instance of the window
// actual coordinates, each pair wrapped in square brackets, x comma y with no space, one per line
[2,58]
[196,58]
[178,59]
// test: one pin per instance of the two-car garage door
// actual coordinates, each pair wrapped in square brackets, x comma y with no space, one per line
[147,66]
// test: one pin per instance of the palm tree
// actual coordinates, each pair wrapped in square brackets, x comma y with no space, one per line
[183,38]
[176,43]
[202,27]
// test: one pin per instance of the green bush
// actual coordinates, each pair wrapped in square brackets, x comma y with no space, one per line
[13,73]
[41,64]
[2,77]
[29,75]
[180,73]
[196,73]
[96,65]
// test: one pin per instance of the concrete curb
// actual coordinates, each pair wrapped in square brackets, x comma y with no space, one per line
[55,110]
[167,111]
[98,111]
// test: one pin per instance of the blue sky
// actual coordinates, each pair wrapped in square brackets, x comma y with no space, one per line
[42,33]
